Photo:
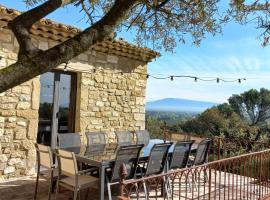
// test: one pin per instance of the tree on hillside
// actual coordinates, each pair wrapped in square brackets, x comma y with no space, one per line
[252,105]
[163,21]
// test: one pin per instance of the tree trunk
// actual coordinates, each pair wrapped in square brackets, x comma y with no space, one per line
[30,65]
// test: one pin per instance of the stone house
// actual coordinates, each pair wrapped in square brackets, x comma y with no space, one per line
[102,89]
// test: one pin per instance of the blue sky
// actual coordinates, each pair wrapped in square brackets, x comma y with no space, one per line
[236,53]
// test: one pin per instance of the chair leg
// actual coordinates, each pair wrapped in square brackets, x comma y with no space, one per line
[145,191]
[50,186]
[57,189]
[109,191]
[75,194]
[36,189]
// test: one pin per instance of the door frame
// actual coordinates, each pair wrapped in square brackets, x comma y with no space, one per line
[56,98]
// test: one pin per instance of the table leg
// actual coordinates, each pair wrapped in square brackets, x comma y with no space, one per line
[101,182]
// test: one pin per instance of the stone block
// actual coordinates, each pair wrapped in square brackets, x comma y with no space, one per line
[2,119]
[140,101]
[20,134]
[22,89]
[2,132]
[3,158]
[32,129]
[9,170]
[23,105]
[99,103]
[22,123]
[35,94]
[139,117]
[8,113]
[12,119]
[27,114]
[5,99]
[14,161]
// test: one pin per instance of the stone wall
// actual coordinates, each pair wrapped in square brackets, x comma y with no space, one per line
[18,118]
[111,98]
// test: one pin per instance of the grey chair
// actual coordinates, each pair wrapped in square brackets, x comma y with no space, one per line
[156,163]
[95,138]
[45,161]
[157,159]
[69,142]
[202,152]
[124,137]
[128,155]
[69,176]
[96,143]
[142,136]
[201,157]
[180,155]
[179,160]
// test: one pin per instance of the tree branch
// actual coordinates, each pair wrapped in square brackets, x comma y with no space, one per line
[27,67]
[22,24]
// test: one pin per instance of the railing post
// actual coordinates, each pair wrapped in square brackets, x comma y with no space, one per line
[122,176]
[219,143]
[209,182]
[260,176]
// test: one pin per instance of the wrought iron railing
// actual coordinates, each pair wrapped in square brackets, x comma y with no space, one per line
[228,147]
[239,177]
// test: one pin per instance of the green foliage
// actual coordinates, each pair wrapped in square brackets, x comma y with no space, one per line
[244,116]
[253,106]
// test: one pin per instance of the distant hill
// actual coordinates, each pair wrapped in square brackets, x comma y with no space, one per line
[178,105]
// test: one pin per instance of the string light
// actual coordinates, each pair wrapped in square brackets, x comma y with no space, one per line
[66,65]
[163,77]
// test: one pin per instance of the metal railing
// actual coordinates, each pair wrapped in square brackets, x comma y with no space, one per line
[239,177]
[228,147]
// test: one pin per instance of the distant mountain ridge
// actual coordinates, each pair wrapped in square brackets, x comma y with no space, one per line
[178,105]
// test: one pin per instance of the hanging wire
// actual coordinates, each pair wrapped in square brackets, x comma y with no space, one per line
[164,77]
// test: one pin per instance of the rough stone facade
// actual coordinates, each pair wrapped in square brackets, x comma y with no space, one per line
[111,98]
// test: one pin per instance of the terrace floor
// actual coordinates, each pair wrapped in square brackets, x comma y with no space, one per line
[23,189]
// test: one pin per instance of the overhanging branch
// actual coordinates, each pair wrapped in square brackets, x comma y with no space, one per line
[29,67]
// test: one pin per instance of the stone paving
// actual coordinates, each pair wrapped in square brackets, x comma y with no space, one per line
[23,189]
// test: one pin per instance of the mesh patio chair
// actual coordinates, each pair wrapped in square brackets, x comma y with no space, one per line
[201,157]
[95,138]
[143,137]
[180,155]
[124,137]
[69,142]
[201,153]
[69,176]
[45,161]
[156,163]
[128,155]
[179,159]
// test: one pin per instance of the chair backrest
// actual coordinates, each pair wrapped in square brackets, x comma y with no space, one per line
[44,156]
[124,137]
[157,159]
[202,152]
[67,163]
[129,155]
[95,138]
[95,149]
[69,141]
[180,154]
[143,137]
